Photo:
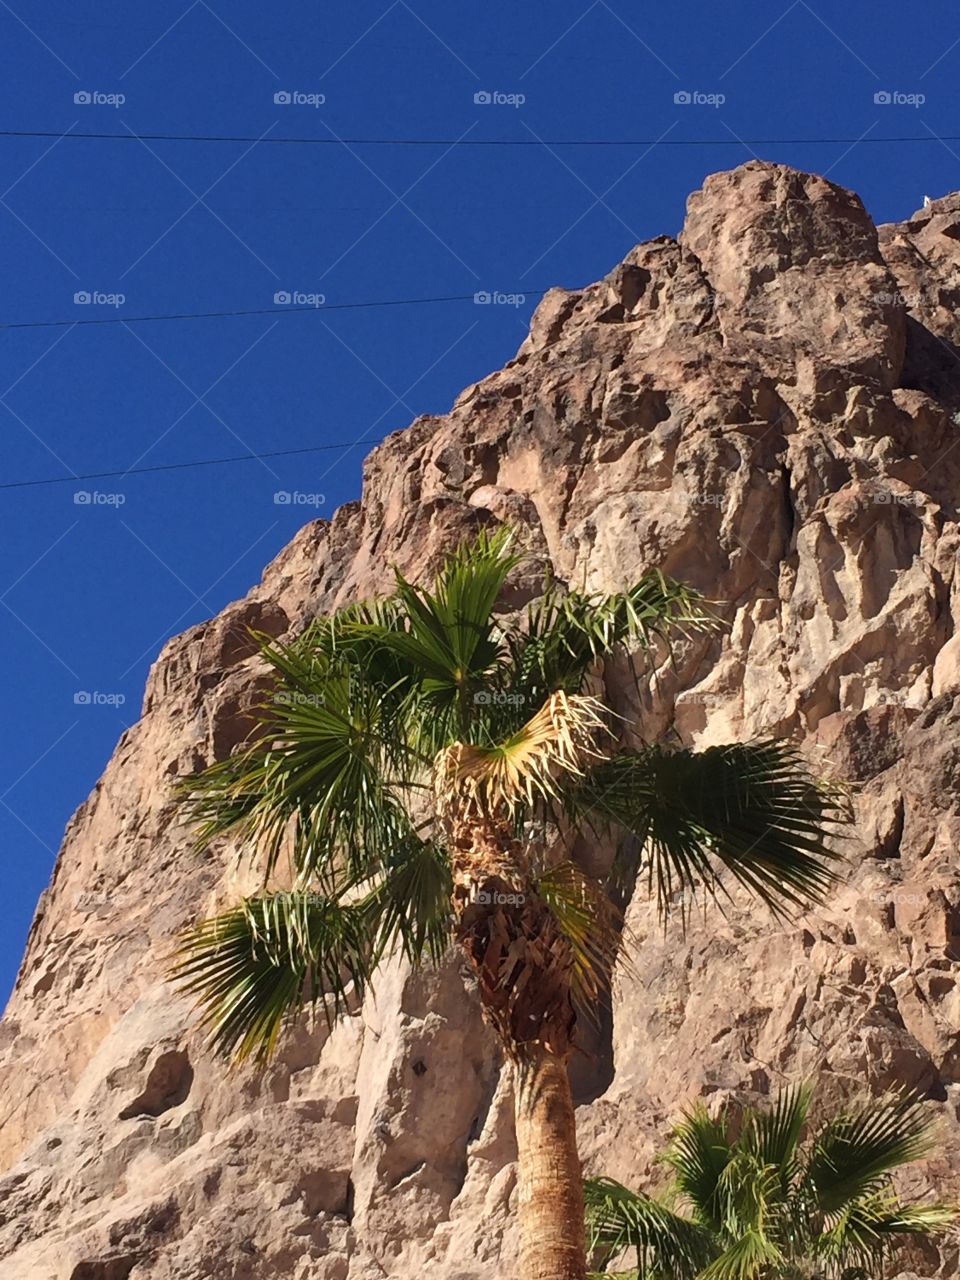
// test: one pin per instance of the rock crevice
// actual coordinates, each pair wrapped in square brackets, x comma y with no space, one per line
[766,407]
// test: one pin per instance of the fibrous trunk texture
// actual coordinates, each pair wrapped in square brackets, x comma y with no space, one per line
[549,1178]
[511,940]
[765,406]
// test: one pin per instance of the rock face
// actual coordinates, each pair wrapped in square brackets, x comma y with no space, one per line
[768,408]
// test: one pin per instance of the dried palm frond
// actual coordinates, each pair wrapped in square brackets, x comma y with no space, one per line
[526,768]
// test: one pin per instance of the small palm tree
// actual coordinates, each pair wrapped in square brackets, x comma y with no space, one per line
[778,1201]
[423,768]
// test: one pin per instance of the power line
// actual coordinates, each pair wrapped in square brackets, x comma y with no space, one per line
[182,466]
[280,309]
[474,142]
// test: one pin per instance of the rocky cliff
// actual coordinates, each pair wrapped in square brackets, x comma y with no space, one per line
[766,407]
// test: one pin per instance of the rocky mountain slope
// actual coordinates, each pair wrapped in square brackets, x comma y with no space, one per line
[767,407]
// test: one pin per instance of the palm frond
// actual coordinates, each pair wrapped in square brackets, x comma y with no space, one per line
[699,1152]
[752,1256]
[916,1219]
[774,1133]
[752,808]
[854,1154]
[749,1192]
[467,588]
[326,780]
[591,924]
[667,1244]
[255,967]
[565,632]
[757,1198]
[527,768]
[411,902]
[449,639]
[866,1230]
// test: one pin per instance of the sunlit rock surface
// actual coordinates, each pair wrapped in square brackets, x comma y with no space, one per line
[766,407]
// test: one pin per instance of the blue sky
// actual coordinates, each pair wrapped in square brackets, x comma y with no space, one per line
[90,590]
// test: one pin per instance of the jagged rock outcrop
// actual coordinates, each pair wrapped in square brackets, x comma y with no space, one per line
[767,407]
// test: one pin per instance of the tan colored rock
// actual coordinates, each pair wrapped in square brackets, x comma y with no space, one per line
[765,408]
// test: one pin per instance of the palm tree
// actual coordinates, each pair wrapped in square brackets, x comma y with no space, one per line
[422,770]
[765,1196]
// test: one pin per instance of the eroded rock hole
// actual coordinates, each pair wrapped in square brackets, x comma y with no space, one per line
[168,1084]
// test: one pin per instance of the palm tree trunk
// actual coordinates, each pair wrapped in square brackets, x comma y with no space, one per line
[550,1187]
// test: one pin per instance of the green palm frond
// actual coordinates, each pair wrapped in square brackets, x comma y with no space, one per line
[667,1244]
[411,902]
[864,1232]
[748,1192]
[592,925]
[774,1133]
[752,808]
[257,966]
[774,1203]
[324,781]
[449,644]
[916,1219]
[698,1154]
[752,1256]
[854,1154]
[565,632]
[466,591]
